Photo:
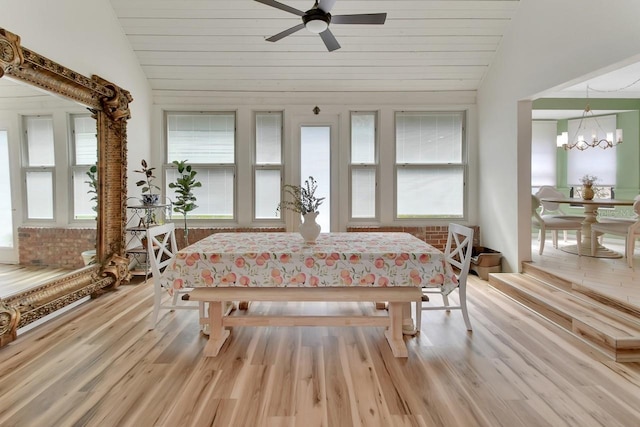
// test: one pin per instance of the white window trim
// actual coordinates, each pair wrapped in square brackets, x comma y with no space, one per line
[375,166]
[266,166]
[464,163]
[202,222]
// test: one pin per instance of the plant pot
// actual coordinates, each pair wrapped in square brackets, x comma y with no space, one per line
[587,192]
[89,257]
[309,229]
[150,199]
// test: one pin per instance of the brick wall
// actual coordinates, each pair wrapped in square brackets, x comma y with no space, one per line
[55,247]
[435,235]
[196,234]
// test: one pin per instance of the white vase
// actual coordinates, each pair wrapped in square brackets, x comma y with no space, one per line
[309,229]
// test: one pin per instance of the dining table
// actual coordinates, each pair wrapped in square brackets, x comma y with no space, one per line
[353,260]
[590,217]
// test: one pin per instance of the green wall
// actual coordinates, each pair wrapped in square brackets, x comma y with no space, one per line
[628,153]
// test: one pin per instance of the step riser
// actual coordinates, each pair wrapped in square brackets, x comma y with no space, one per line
[616,340]
[534,304]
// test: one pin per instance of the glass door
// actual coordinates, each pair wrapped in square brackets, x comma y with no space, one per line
[315,152]
[315,161]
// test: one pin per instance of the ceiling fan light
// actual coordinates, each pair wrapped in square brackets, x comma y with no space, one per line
[317,25]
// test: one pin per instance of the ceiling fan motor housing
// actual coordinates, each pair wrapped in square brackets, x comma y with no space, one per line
[316,15]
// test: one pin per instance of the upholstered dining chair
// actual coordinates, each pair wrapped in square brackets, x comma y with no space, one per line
[555,224]
[457,253]
[161,249]
[630,230]
[554,210]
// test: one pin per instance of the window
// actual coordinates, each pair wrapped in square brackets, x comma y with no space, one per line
[84,146]
[363,165]
[594,161]
[207,142]
[267,172]
[39,166]
[430,165]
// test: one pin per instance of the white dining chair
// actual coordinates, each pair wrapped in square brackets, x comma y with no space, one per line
[552,209]
[630,230]
[457,253]
[161,249]
[555,224]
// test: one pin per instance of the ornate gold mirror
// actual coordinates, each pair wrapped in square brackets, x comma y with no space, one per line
[110,106]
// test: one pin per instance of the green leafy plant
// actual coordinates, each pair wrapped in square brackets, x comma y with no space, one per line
[147,183]
[303,199]
[92,173]
[183,186]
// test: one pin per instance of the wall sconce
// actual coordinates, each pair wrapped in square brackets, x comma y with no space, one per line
[316,110]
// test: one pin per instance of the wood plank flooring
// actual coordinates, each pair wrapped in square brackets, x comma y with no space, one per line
[99,365]
[16,278]
[610,277]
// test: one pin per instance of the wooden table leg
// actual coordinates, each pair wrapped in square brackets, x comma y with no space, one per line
[394,333]
[217,333]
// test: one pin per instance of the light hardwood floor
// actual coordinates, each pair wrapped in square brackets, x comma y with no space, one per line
[99,365]
[611,277]
[16,278]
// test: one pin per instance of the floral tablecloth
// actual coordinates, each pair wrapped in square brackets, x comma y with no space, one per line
[283,259]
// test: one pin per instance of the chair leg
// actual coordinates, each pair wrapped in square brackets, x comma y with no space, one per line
[445,300]
[554,234]
[463,306]
[630,249]
[564,235]
[579,242]
[418,315]
[543,236]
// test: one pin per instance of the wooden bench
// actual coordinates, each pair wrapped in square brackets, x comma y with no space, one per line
[397,297]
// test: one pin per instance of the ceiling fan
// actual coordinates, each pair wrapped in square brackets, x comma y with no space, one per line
[318,18]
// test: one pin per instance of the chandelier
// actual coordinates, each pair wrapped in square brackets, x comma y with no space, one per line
[585,138]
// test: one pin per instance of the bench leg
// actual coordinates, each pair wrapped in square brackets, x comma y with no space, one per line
[394,333]
[217,333]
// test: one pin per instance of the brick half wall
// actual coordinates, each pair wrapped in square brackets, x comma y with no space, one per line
[55,247]
[435,235]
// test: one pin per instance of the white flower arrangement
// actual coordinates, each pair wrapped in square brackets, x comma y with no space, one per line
[588,179]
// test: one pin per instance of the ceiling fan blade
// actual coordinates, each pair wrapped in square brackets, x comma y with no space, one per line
[281,6]
[326,5]
[329,40]
[365,18]
[285,33]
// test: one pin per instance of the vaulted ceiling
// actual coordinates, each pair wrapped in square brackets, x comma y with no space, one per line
[219,45]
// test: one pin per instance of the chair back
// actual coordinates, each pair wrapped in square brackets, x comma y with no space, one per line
[161,247]
[550,192]
[535,215]
[459,249]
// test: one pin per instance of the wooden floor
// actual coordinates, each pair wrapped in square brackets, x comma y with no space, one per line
[99,365]
[611,277]
[16,278]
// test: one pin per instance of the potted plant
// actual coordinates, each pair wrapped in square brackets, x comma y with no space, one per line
[148,196]
[89,256]
[304,201]
[587,186]
[92,173]
[183,186]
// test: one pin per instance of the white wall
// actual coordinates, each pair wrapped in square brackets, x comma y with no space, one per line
[549,43]
[84,35]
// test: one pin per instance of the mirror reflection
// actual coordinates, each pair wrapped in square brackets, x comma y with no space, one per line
[48,198]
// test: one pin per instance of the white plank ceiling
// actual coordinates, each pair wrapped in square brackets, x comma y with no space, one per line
[219,45]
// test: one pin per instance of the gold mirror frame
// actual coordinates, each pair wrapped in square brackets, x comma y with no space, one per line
[110,105]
